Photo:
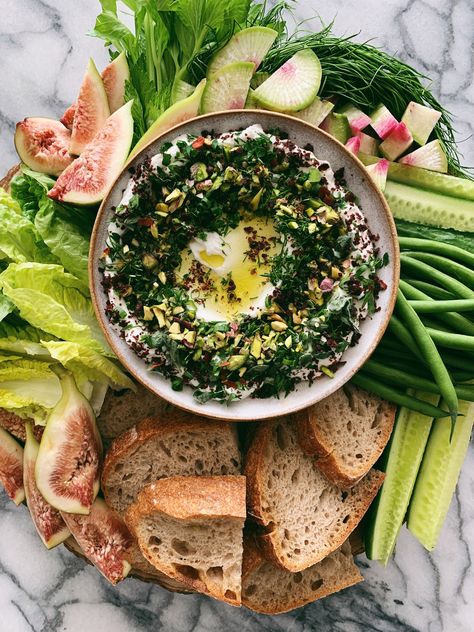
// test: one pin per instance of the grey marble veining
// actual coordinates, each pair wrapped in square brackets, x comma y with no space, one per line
[43,52]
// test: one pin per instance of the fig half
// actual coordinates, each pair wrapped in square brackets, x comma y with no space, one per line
[43,145]
[70,452]
[88,179]
[104,539]
[11,467]
[67,118]
[48,521]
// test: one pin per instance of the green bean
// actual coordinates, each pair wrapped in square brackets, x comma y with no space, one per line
[428,272]
[465,392]
[464,362]
[398,397]
[454,269]
[462,376]
[451,341]
[432,291]
[435,307]
[430,353]
[455,321]
[404,336]
[437,247]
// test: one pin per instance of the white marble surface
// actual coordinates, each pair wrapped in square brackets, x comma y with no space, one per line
[43,50]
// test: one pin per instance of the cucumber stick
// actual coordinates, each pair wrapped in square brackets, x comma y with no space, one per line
[424,179]
[438,475]
[426,207]
[403,458]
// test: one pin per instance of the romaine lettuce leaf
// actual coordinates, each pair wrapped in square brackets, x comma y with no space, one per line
[55,301]
[6,306]
[17,336]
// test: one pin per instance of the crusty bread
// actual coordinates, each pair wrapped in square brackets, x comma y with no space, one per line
[305,516]
[190,528]
[16,425]
[123,409]
[181,444]
[269,589]
[347,432]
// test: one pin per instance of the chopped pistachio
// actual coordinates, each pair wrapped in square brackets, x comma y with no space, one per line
[160,317]
[255,201]
[178,310]
[199,171]
[312,228]
[288,342]
[293,225]
[126,249]
[162,277]
[149,261]
[174,328]
[154,231]
[327,371]
[176,336]
[190,337]
[256,347]
[174,195]
[277,326]
[236,362]
[147,313]
[162,208]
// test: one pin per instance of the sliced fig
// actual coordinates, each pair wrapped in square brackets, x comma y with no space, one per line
[114,77]
[11,467]
[90,176]
[67,118]
[48,521]
[70,452]
[104,540]
[43,145]
[92,110]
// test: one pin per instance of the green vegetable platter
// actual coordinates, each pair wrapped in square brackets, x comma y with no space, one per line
[182,58]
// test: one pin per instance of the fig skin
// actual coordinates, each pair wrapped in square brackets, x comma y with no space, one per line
[104,539]
[114,77]
[48,521]
[43,145]
[68,464]
[11,467]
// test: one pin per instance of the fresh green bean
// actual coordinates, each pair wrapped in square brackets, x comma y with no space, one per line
[437,247]
[398,397]
[433,291]
[430,353]
[465,392]
[453,268]
[455,321]
[404,336]
[428,272]
[435,307]
[462,376]
[451,341]
[465,362]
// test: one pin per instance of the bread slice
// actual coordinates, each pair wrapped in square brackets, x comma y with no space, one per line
[269,589]
[305,516]
[190,528]
[123,409]
[181,444]
[347,432]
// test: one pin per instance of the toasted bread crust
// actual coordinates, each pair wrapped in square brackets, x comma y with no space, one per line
[254,461]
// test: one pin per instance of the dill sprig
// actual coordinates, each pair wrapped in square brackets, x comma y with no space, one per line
[366,76]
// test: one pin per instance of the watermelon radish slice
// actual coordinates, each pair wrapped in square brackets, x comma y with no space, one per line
[368,145]
[353,145]
[430,156]
[294,86]
[88,179]
[398,141]
[258,79]
[316,112]
[421,121]
[383,121]
[337,126]
[251,103]
[379,172]
[43,145]
[227,89]
[67,118]
[114,77]
[92,110]
[181,90]
[250,44]
[11,467]
[181,111]
[357,119]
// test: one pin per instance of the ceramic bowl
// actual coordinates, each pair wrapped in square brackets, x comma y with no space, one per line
[379,220]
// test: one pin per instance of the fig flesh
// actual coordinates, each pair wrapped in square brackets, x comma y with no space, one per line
[70,452]
[90,176]
[11,467]
[48,521]
[114,77]
[104,540]
[91,112]
[67,118]
[43,145]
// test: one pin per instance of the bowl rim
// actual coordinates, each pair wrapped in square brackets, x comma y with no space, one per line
[200,409]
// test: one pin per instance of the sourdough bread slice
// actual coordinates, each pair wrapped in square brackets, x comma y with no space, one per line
[269,589]
[123,409]
[347,432]
[191,528]
[305,516]
[180,444]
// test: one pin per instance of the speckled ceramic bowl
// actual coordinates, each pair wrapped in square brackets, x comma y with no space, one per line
[380,222]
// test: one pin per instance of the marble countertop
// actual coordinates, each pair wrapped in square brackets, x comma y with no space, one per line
[43,51]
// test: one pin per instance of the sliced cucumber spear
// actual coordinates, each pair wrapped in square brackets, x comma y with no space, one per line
[403,457]
[250,44]
[438,476]
[227,89]
[293,86]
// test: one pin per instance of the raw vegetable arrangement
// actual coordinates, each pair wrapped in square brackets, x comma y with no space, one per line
[182,58]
